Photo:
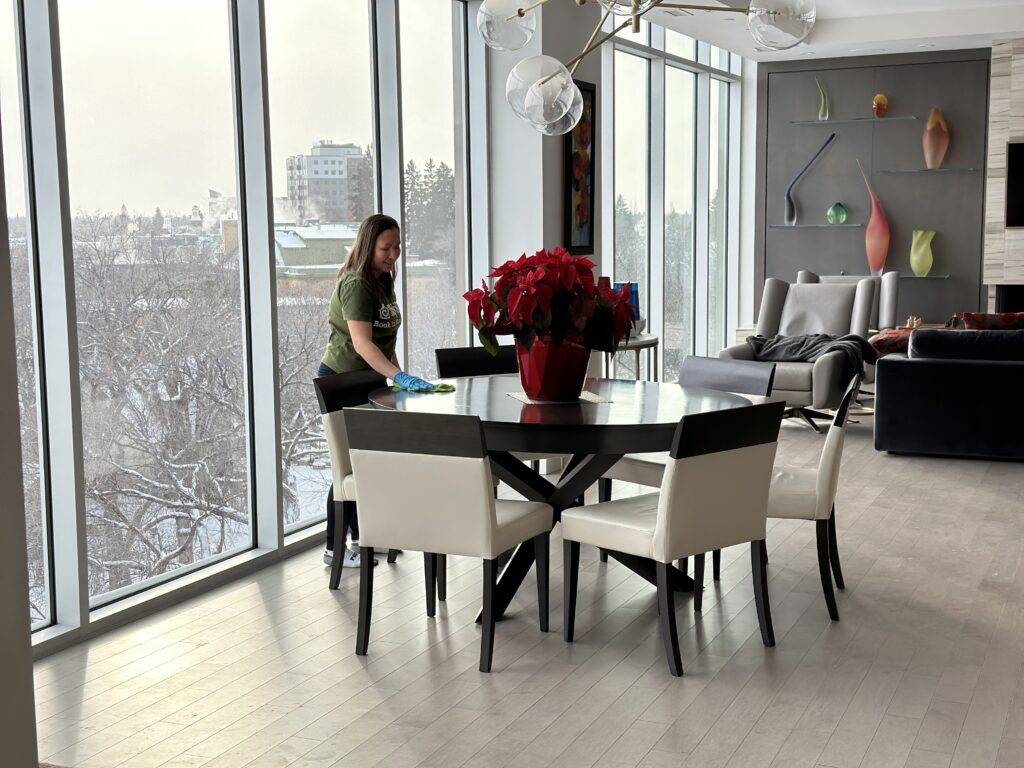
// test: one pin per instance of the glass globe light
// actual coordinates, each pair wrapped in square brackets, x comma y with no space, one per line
[550,97]
[524,75]
[780,24]
[566,122]
[501,27]
[625,7]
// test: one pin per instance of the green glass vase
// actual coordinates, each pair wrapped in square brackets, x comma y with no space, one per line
[921,258]
[836,214]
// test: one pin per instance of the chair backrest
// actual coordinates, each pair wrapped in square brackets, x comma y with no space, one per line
[803,308]
[475,361]
[424,482]
[884,303]
[715,489]
[832,455]
[746,377]
[342,390]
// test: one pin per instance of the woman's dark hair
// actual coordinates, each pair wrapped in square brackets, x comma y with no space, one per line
[360,258]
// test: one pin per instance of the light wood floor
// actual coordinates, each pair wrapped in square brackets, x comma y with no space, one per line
[924,670]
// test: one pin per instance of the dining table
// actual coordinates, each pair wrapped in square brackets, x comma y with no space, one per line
[613,417]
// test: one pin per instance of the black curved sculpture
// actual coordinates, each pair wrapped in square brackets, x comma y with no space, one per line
[790,205]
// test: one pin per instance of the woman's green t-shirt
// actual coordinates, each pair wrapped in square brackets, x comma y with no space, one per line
[355,299]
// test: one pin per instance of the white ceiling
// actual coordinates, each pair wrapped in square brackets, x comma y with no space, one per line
[865,27]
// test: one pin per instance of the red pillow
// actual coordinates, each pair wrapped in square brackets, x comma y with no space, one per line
[893,340]
[999,321]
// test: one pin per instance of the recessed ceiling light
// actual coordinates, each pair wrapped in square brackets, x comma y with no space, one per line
[807,53]
[926,45]
[867,50]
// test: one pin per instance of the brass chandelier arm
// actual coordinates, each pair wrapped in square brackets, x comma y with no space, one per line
[520,12]
[696,7]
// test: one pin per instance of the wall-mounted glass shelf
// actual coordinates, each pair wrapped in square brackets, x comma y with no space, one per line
[925,277]
[848,120]
[815,226]
[927,170]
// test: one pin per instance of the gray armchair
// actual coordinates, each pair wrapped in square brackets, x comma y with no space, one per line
[801,308]
[883,306]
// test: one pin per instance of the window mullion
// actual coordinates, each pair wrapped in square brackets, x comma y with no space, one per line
[258,269]
[702,214]
[733,191]
[50,221]
[656,203]
[389,124]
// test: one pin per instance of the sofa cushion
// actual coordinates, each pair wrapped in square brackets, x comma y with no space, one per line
[936,343]
[795,377]
[891,341]
[998,321]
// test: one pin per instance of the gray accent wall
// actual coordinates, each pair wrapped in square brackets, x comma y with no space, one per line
[952,203]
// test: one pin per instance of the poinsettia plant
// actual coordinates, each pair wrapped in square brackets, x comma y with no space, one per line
[552,295]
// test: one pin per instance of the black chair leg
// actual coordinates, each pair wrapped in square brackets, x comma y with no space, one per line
[667,611]
[393,556]
[833,551]
[542,551]
[535,465]
[683,564]
[602,555]
[764,551]
[698,582]
[441,577]
[365,599]
[716,565]
[430,581]
[341,519]
[487,617]
[825,569]
[604,489]
[759,570]
[571,575]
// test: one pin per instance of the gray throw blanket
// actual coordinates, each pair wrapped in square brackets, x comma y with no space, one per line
[806,349]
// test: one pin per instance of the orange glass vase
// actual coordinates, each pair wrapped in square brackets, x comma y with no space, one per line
[935,140]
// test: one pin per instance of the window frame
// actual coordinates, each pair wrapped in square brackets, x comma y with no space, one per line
[705,73]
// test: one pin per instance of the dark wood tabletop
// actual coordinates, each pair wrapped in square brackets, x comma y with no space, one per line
[637,417]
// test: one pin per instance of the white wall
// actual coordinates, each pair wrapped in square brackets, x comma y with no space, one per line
[526,176]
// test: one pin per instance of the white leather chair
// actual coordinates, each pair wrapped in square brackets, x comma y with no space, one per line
[343,390]
[799,493]
[745,377]
[714,494]
[425,484]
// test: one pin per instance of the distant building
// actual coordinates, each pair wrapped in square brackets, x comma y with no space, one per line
[312,250]
[320,184]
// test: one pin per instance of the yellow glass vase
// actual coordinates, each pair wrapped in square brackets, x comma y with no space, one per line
[921,258]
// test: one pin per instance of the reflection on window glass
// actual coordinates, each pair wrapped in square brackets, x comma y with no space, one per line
[323,167]
[718,182]
[679,44]
[435,264]
[24,324]
[680,115]
[632,77]
[719,58]
[151,164]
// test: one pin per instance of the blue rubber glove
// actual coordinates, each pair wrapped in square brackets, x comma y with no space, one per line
[412,383]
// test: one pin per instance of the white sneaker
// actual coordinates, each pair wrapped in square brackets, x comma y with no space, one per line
[328,556]
[352,559]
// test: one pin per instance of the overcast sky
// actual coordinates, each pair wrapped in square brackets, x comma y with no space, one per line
[148,98]
[148,101]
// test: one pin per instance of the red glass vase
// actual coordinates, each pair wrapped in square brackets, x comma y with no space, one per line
[553,372]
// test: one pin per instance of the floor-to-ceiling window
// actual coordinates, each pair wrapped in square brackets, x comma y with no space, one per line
[435,261]
[632,180]
[25,325]
[673,92]
[323,166]
[189,146]
[680,150]
[148,103]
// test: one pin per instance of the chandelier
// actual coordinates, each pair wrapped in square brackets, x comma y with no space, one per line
[540,89]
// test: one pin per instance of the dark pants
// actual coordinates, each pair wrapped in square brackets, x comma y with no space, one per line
[353,523]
